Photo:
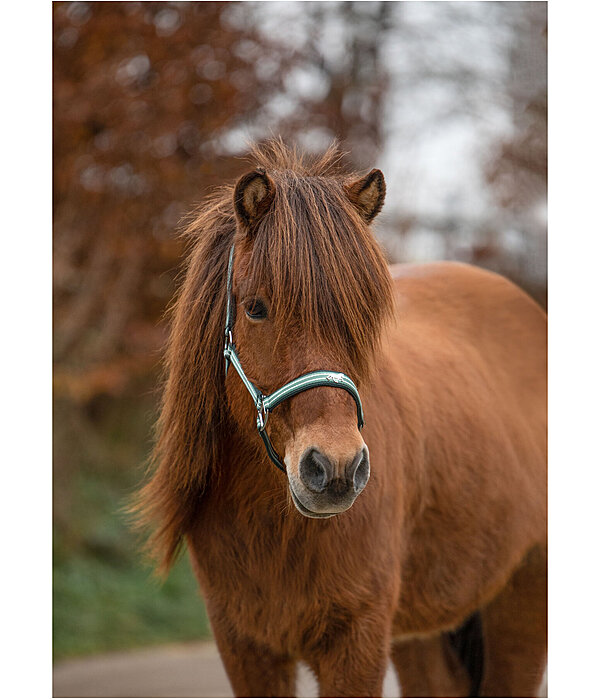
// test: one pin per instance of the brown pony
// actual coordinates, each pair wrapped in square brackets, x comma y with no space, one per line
[440,563]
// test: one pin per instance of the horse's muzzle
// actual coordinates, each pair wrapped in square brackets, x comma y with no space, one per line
[325,486]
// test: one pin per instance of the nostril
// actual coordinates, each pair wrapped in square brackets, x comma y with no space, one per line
[315,470]
[359,470]
[361,475]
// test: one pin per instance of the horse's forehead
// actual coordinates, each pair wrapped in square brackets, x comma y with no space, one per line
[241,272]
[243,279]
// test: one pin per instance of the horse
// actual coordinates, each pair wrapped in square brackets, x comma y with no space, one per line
[420,537]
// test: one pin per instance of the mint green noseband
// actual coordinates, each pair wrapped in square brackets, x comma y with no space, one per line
[265,404]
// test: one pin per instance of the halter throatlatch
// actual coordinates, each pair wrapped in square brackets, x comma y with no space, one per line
[265,404]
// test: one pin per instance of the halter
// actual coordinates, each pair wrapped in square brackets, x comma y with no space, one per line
[265,404]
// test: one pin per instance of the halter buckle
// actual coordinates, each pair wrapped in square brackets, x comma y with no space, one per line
[227,349]
[262,414]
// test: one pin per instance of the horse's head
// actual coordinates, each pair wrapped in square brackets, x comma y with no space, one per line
[310,291]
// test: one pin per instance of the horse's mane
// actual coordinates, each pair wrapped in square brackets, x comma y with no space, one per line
[323,269]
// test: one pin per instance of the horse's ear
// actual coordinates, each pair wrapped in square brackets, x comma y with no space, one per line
[367,194]
[253,196]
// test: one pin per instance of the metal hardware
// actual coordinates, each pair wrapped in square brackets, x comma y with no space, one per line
[262,415]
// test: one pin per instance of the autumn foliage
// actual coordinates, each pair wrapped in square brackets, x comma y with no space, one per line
[142,93]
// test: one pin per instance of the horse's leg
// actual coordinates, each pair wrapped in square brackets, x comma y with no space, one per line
[350,660]
[515,632]
[254,671]
[429,668]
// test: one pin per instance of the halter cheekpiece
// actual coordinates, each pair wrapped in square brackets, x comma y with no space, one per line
[265,404]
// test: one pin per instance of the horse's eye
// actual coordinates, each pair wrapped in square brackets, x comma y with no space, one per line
[256,309]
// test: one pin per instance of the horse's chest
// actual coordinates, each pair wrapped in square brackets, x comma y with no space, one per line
[262,601]
[279,594]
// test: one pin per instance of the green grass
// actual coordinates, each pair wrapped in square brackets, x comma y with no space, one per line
[101,606]
[105,597]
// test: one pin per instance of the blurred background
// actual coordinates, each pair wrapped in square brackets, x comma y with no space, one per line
[153,106]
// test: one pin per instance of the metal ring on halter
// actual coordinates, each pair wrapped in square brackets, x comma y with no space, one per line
[262,415]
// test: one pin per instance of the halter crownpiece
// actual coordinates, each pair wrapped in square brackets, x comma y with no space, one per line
[265,404]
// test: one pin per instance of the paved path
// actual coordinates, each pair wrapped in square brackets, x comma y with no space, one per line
[178,671]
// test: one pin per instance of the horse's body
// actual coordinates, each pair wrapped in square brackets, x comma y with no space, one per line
[451,523]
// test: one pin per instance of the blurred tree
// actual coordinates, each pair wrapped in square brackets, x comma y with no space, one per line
[465,135]
[351,108]
[140,92]
[517,171]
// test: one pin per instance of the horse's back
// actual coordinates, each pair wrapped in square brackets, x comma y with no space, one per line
[452,287]
[474,330]
[465,307]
